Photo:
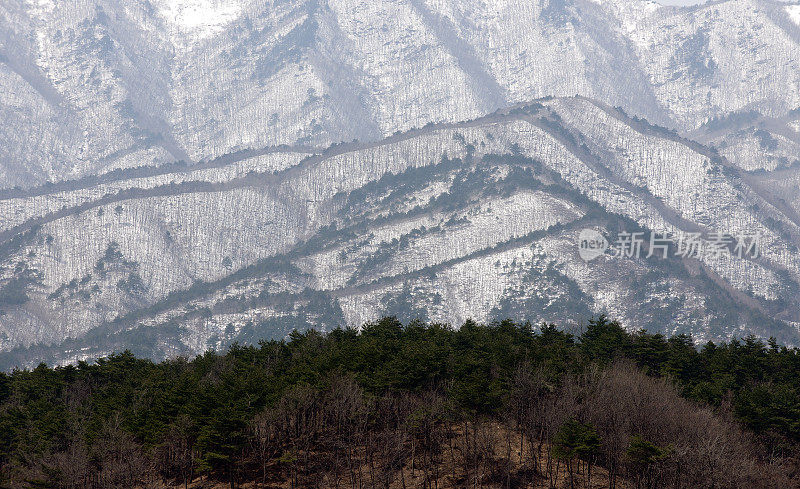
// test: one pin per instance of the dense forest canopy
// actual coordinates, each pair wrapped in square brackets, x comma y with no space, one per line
[392,398]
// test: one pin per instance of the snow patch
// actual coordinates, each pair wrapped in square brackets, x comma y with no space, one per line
[38,8]
[200,18]
[794,13]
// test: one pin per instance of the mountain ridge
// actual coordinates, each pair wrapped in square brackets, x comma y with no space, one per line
[539,114]
[350,90]
[322,163]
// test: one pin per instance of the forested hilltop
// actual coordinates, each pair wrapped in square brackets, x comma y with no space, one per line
[416,405]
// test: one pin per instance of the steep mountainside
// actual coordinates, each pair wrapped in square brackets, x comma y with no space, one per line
[184,174]
[100,84]
[477,219]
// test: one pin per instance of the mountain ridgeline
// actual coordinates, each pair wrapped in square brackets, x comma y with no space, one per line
[180,175]
[110,85]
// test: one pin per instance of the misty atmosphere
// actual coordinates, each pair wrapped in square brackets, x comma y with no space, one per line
[399,243]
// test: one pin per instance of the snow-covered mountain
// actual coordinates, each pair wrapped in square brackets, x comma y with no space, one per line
[179,174]
[94,85]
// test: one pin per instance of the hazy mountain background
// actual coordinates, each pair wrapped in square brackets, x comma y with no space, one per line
[178,175]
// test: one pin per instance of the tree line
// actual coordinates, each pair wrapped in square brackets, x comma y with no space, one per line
[416,405]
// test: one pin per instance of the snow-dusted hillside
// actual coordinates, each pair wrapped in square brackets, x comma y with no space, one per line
[478,219]
[94,85]
[179,174]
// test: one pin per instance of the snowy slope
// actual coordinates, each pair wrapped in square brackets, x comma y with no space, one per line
[103,84]
[470,220]
[195,172]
